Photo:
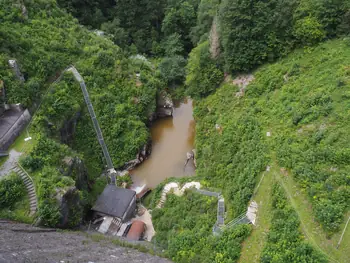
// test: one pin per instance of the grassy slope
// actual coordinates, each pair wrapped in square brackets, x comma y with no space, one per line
[303,101]
[311,229]
[254,244]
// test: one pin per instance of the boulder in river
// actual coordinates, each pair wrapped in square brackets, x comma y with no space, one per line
[165,105]
[141,156]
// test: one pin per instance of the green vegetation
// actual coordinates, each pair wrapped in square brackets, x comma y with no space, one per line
[184,230]
[312,230]
[46,42]
[203,76]
[284,243]
[194,45]
[14,203]
[257,31]
[302,102]
[310,140]
[12,189]
[231,150]
[253,245]
[141,26]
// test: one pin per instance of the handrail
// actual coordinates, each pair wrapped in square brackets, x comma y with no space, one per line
[21,167]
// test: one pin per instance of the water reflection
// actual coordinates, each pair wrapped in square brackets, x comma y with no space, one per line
[172,138]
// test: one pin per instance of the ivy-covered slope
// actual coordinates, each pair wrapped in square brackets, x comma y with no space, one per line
[45,40]
[303,101]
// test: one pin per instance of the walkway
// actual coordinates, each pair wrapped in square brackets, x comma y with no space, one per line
[28,181]
[176,189]
[311,229]
[6,168]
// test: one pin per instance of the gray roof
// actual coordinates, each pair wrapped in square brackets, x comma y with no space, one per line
[114,201]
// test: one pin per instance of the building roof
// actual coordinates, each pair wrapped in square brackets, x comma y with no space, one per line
[114,201]
[136,230]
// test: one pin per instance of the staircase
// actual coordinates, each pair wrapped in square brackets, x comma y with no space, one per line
[221,211]
[28,181]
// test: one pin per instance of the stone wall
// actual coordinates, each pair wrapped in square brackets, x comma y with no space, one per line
[14,131]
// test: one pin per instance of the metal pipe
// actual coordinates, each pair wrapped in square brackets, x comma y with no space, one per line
[97,128]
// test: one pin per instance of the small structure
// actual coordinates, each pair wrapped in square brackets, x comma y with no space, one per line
[136,231]
[252,211]
[12,123]
[13,117]
[13,64]
[116,202]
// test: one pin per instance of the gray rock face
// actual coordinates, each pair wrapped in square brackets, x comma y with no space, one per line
[12,123]
[24,243]
[68,129]
[165,105]
[140,157]
[68,199]
[71,208]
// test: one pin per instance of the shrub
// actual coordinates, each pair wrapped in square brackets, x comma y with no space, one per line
[309,31]
[12,189]
[203,74]
[172,70]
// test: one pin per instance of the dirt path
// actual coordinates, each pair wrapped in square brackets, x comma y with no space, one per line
[5,169]
[254,244]
[311,229]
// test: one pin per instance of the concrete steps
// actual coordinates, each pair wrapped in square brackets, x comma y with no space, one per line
[33,200]
[176,189]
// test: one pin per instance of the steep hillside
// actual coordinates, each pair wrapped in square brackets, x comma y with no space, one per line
[302,103]
[45,40]
[270,80]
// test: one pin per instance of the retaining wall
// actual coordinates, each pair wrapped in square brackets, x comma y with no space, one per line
[14,130]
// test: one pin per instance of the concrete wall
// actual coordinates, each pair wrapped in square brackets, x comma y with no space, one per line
[130,212]
[10,136]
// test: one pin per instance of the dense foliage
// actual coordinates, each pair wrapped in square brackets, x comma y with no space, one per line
[303,102]
[203,75]
[142,24]
[44,40]
[258,31]
[231,151]
[285,242]
[249,33]
[56,41]
[12,189]
[184,230]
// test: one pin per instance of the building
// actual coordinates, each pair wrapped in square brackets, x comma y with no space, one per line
[136,231]
[119,203]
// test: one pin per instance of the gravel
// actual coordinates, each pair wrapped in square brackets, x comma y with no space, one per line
[24,243]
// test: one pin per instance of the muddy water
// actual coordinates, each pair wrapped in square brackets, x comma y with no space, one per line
[172,138]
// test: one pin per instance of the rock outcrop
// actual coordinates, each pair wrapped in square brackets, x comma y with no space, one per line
[140,157]
[165,106]
[69,198]
[71,208]
[67,131]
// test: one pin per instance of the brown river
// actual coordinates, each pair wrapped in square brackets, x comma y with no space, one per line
[172,138]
